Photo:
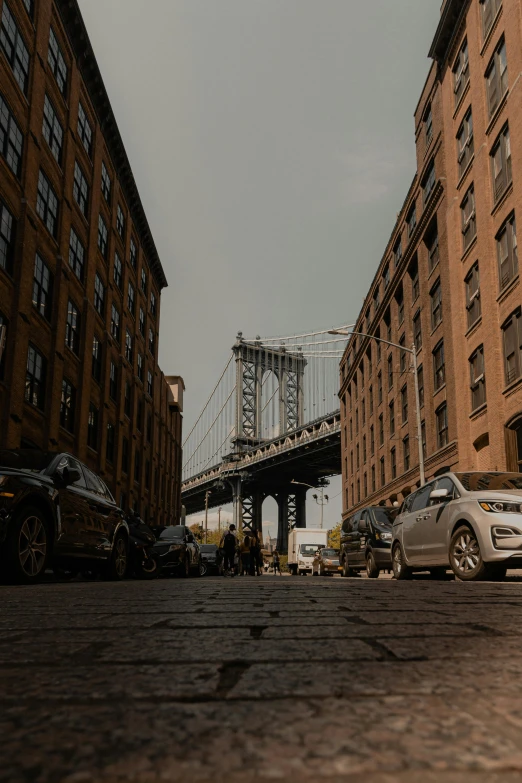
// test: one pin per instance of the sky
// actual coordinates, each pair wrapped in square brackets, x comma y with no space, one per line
[272,142]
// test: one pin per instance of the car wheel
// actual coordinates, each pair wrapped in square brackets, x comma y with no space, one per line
[371,566]
[117,564]
[149,569]
[27,548]
[465,556]
[201,570]
[347,571]
[400,569]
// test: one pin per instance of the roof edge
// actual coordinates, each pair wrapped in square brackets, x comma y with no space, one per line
[446,29]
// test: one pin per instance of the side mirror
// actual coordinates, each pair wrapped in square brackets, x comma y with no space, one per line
[438,495]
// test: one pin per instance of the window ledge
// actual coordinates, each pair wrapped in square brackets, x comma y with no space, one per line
[512,387]
[474,326]
[491,32]
[478,412]
[508,190]
[508,289]
[461,99]
[441,388]
[465,172]
[497,113]
[469,248]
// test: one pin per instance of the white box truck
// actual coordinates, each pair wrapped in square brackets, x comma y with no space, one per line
[303,543]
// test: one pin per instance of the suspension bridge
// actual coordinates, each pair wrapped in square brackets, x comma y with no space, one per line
[270,426]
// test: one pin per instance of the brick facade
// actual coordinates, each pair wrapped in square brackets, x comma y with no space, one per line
[472,408]
[55,109]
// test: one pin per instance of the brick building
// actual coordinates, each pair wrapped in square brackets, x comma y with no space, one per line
[448,280]
[80,277]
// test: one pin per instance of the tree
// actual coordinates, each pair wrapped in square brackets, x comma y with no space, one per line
[334,537]
[213,536]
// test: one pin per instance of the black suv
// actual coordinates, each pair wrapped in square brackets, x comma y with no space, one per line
[54,511]
[366,539]
[178,551]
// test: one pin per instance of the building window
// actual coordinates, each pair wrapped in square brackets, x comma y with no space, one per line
[67,405]
[386,276]
[115,323]
[406,452]
[501,163]
[130,299]
[125,455]
[109,448]
[428,182]
[490,8]
[56,62]
[142,322]
[473,306]
[383,473]
[413,271]
[72,328]
[372,441]
[137,466]
[351,461]
[373,478]
[390,372]
[120,221]
[29,7]
[461,72]
[363,411]
[417,330]
[411,221]
[106,184]
[11,139]
[442,426]
[85,131]
[399,296]
[151,342]
[477,378]
[376,300]
[35,378]
[99,295]
[379,388]
[128,346]
[103,237]
[370,400]
[42,288]
[358,490]
[153,303]
[351,429]
[76,254]
[14,48]
[393,463]
[140,367]
[358,461]
[92,427]
[497,77]
[81,189]
[420,381]
[404,404]
[436,304]
[149,383]
[364,449]
[397,252]
[47,204]
[356,421]
[512,347]
[139,416]
[127,400]
[423,438]
[428,125]
[465,145]
[365,485]
[144,281]
[402,355]
[133,254]
[431,241]
[96,359]
[113,381]
[439,366]
[118,271]
[392,418]
[469,222]
[507,252]
[52,130]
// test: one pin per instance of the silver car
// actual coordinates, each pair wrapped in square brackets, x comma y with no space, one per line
[470,522]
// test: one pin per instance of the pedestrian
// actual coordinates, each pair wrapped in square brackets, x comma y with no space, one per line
[255,554]
[246,556]
[229,544]
[277,563]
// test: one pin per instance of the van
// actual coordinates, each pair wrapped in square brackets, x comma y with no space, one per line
[366,539]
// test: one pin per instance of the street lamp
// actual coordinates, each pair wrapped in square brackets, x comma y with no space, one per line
[413,352]
[320,502]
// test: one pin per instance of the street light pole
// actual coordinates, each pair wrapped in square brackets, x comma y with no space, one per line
[323,496]
[207,493]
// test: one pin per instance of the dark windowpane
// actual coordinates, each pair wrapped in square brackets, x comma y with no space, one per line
[81,189]
[103,237]
[469,221]
[47,204]
[76,255]
[97,352]
[501,164]
[56,62]
[507,251]
[35,378]
[436,304]
[461,72]
[99,295]
[52,130]
[42,288]
[477,378]
[439,367]
[14,48]
[442,426]
[473,294]
[465,144]
[7,239]
[92,426]
[120,222]
[11,139]
[84,130]
[72,328]
[106,184]
[67,405]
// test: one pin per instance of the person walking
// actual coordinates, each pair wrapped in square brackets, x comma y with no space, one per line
[246,556]
[228,544]
[277,563]
[255,554]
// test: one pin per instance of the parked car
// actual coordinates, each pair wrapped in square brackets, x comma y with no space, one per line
[326,562]
[178,551]
[366,539]
[56,512]
[212,558]
[469,522]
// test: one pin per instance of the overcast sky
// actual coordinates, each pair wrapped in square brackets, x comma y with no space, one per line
[272,142]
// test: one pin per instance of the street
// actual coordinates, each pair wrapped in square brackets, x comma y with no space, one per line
[270,678]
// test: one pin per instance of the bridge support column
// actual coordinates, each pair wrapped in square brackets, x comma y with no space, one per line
[291,505]
[253,512]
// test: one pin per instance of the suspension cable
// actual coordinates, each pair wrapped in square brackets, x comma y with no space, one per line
[210,428]
[209,399]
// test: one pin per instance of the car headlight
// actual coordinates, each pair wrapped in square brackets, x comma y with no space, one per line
[385,536]
[500,506]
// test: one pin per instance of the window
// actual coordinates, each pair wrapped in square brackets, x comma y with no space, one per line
[14,48]
[404,404]
[386,276]
[47,204]
[139,416]
[128,346]
[364,449]
[490,8]
[35,377]
[399,296]
[42,288]
[473,306]
[372,441]
[431,241]
[411,221]
[113,381]
[397,252]
[465,145]
[67,405]
[376,300]
[103,237]
[85,131]
[137,466]
[393,463]
[373,478]
[52,130]
[370,400]
[142,322]
[383,472]
[439,367]
[428,182]
[76,254]
[118,271]
[153,303]
[461,72]
[115,323]
[406,453]
[417,330]
[92,427]
[72,328]
[423,437]
[106,184]
[420,381]
[442,425]
[120,221]
[428,125]
[99,295]
[127,400]
[81,189]
[125,455]
[356,421]
[436,304]
[497,77]
[151,342]
[149,383]
[147,474]
[29,7]
[109,448]
[512,347]
[130,299]
[11,139]
[507,252]
[143,281]
[477,378]
[501,163]
[140,367]
[402,355]
[96,359]
[358,461]
[351,461]
[133,254]
[392,419]
[379,388]
[351,429]
[365,485]
[363,411]
[390,372]
[56,62]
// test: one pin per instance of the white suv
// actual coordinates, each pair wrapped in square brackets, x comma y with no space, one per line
[471,522]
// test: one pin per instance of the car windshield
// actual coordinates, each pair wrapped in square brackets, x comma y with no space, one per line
[474,482]
[309,549]
[329,553]
[174,531]
[28,460]
[208,548]
[384,516]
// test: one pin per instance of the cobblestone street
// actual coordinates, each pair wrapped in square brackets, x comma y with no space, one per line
[271,678]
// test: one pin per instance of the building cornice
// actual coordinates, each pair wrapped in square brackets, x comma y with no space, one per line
[446,30]
[79,39]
